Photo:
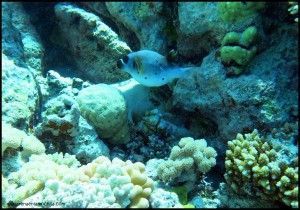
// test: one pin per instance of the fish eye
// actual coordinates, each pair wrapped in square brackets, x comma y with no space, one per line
[125,59]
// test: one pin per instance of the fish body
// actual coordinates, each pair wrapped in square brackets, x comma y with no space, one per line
[150,68]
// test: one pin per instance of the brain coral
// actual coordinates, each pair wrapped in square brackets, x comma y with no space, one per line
[255,167]
[104,107]
[190,156]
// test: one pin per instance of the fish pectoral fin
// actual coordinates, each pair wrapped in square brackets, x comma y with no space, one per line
[138,65]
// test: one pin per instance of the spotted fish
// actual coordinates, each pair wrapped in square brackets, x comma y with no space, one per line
[150,68]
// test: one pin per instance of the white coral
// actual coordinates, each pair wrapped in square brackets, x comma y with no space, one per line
[189,155]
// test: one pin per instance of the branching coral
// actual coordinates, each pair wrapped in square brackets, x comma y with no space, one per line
[161,198]
[191,156]
[254,167]
[134,173]
[33,175]
[57,180]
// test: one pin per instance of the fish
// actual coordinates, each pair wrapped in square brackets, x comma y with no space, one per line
[150,68]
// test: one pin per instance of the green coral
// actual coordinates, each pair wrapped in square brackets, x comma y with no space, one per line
[237,49]
[249,36]
[235,53]
[182,193]
[254,167]
[188,206]
[234,11]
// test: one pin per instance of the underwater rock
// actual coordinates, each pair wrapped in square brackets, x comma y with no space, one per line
[56,83]
[19,95]
[258,99]
[104,107]
[94,46]
[99,8]
[20,40]
[201,27]
[142,148]
[60,118]
[229,199]
[142,18]
[86,145]
[162,124]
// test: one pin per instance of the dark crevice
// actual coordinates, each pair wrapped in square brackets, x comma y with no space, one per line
[170,14]
[42,17]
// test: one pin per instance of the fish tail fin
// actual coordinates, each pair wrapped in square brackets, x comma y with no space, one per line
[180,71]
[186,69]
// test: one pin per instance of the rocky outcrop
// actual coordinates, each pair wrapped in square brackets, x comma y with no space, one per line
[94,46]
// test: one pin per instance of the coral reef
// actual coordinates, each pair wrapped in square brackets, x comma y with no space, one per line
[105,108]
[56,179]
[33,175]
[192,156]
[182,193]
[79,133]
[56,83]
[161,198]
[254,167]
[61,120]
[257,98]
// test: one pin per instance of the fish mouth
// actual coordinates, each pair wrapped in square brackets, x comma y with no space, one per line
[123,61]
[120,63]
